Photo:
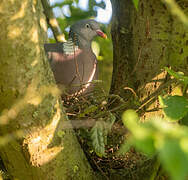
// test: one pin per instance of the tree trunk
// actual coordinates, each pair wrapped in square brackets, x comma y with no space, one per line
[35,143]
[145,41]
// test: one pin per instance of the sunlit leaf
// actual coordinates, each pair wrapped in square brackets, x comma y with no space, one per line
[130,117]
[140,132]
[146,145]
[125,147]
[174,107]
[90,109]
[178,75]
[169,140]
[136,3]
[96,48]
[174,160]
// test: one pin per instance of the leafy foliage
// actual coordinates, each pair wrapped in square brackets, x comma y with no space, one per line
[178,75]
[157,136]
[99,134]
[90,109]
[75,13]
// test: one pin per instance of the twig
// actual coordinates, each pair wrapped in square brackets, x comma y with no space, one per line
[52,22]
[100,170]
[138,60]
[156,93]
[176,11]
[132,90]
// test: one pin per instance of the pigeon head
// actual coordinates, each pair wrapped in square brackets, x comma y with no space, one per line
[84,31]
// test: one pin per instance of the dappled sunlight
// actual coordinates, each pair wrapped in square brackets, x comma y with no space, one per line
[12,1]
[34,34]
[46,133]
[38,49]
[47,156]
[1,9]
[184,144]
[34,5]
[21,12]
[56,117]
[61,38]
[39,140]
[34,63]
[53,22]
[43,24]
[11,136]
[14,32]
[32,96]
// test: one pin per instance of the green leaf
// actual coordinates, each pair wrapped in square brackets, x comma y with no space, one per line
[174,107]
[184,120]
[88,110]
[61,133]
[110,122]
[98,137]
[136,3]
[178,75]
[146,145]
[141,133]
[76,168]
[169,140]
[174,159]
[125,147]
[96,48]
[130,117]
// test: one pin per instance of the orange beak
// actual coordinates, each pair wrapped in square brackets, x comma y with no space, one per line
[100,33]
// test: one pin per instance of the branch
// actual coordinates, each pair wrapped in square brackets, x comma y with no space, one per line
[52,22]
[176,11]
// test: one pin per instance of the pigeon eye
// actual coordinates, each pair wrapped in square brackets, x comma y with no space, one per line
[87,26]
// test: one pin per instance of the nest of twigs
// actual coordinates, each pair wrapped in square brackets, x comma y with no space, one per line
[87,113]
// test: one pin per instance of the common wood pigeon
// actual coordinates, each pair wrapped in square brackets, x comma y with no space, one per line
[73,62]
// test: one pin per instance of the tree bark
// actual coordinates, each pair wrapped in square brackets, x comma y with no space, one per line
[145,41]
[34,143]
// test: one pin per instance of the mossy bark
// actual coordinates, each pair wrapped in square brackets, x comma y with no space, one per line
[145,41]
[35,143]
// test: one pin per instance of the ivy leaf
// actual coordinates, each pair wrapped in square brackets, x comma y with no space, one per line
[98,137]
[178,75]
[125,147]
[136,4]
[184,120]
[111,120]
[174,107]
[90,109]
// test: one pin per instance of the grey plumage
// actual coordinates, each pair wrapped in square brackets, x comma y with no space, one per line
[73,62]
